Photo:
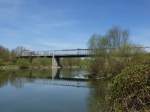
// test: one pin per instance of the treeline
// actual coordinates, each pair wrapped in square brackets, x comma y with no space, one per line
[9,57]
[128,67]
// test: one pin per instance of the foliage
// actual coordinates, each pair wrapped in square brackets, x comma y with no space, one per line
[131,89]
[70,62]
[117,37]
[96,65]
[41,62]
[5,56]
[23,63]
[114,38]
[113,52]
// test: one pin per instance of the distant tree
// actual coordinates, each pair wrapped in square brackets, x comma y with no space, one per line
[114,38]
[93,41]
[117,37]
[4,55]
[112,51]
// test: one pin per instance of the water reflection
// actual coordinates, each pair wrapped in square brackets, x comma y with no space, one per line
[70,88]
[19,78]
[4,76]
[98,100]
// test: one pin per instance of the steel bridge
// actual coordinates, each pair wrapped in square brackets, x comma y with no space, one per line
[56,55]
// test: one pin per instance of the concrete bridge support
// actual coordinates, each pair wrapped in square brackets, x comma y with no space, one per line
[56,62]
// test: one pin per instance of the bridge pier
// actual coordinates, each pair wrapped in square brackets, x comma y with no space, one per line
[56,62]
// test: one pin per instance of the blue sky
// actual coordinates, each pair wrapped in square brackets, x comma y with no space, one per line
[63,24]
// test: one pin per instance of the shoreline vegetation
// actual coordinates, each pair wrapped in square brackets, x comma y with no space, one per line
[128,66]
[125,64]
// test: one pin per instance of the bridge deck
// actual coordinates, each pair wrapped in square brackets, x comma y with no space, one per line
[57,53]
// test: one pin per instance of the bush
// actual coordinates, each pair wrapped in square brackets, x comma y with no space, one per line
[107,67]
[131,89]
[23,63]
[140,59]
[41,62]
[96,66]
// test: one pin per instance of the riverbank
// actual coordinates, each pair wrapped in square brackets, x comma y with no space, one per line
[9,67]
[16,67]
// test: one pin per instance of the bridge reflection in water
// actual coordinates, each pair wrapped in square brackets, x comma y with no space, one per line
[68,81]
[55,77]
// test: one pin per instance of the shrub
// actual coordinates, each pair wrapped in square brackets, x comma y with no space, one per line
[131,89]
[107,67]
[96,66]
[41,62]
[23,63]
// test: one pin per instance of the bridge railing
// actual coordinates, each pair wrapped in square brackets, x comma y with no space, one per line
[72,52]
[57,52]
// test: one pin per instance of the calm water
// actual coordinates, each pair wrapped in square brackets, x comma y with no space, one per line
[47,91]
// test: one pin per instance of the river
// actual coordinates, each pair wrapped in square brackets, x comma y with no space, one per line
[51,91]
